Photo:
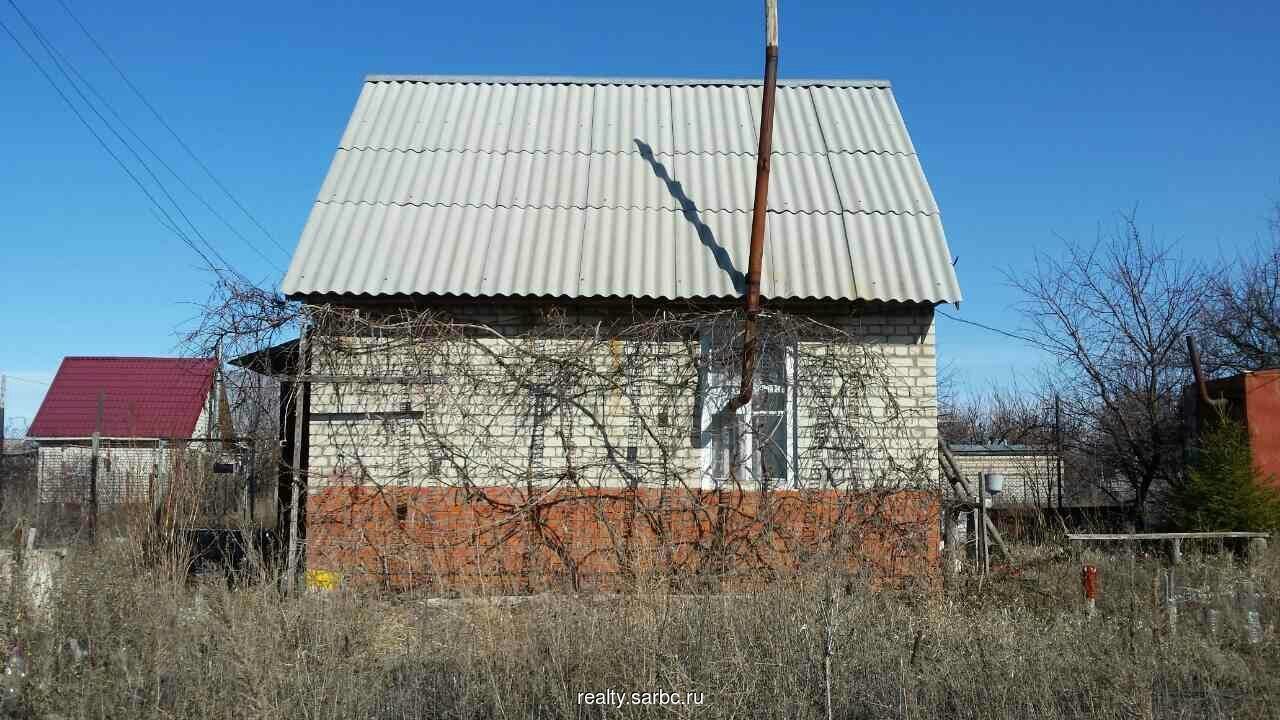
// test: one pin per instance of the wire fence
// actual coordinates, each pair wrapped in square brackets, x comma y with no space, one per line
[71,489]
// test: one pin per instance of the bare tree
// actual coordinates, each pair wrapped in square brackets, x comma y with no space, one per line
[1114,312]
[1018,413]
[1242,313]
[237,319]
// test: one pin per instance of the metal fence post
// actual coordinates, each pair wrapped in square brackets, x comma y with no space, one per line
[93,473]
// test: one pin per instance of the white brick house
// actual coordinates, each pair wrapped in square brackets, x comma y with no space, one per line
[491,200]
[1031,472]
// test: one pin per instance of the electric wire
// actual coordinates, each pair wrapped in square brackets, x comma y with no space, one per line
[54,56]
[104,145]
[160,118]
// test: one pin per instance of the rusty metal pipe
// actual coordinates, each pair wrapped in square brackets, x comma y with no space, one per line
[1197,371]
[751,332]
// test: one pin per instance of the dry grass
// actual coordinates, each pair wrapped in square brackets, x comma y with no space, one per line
[1015,647]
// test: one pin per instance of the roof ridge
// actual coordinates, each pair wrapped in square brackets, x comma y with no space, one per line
[605,80]
[138,357]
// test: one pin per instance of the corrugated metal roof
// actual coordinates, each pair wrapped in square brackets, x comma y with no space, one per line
[142,397]
[621,188]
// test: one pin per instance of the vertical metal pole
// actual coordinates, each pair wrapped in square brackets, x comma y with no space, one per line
[759,211]
[2,393]
[986,520]
[295,476]
[1057,444]
[982,532]
[249,465]
[93,474]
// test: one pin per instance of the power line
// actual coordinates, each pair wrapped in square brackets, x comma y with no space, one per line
[137,91]
[141,141]
[996,330]
[54,56]
[103,143]
[19,378]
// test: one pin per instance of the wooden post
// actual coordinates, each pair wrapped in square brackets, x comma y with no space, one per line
[984,557]
[1169,597]
[1257,549]
[93,473]
[295,474]
[1175,551]
[1057,445]
[2,389]
[1247,599]
[828,646]
[951,535]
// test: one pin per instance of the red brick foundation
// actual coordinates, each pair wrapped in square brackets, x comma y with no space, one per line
[499,540]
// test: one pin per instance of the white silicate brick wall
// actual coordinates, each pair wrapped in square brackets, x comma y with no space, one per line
[1029,479]
[125,474]
[472,423]
[129,473]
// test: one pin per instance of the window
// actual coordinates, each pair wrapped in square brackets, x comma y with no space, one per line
[755,444]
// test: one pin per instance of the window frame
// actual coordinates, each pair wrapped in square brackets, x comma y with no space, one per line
[716,388]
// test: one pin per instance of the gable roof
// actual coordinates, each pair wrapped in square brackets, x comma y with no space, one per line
[142,397]
[573,187]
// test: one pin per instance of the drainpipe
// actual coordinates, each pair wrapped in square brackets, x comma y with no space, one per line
[750,335]
[1195,369]
[1204,401]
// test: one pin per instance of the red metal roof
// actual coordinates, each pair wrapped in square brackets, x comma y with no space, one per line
[142,397]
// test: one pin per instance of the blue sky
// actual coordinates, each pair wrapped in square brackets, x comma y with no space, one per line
[1033,125]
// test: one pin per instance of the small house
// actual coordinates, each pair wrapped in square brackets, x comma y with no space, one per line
[1031,472]
[112,430]
[561,414]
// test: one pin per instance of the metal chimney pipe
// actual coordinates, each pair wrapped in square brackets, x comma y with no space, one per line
[1203,388]
[750,336]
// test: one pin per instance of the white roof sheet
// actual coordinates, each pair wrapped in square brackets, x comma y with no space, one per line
[621,188]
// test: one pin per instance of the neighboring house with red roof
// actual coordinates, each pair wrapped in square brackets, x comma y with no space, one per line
[143,409]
